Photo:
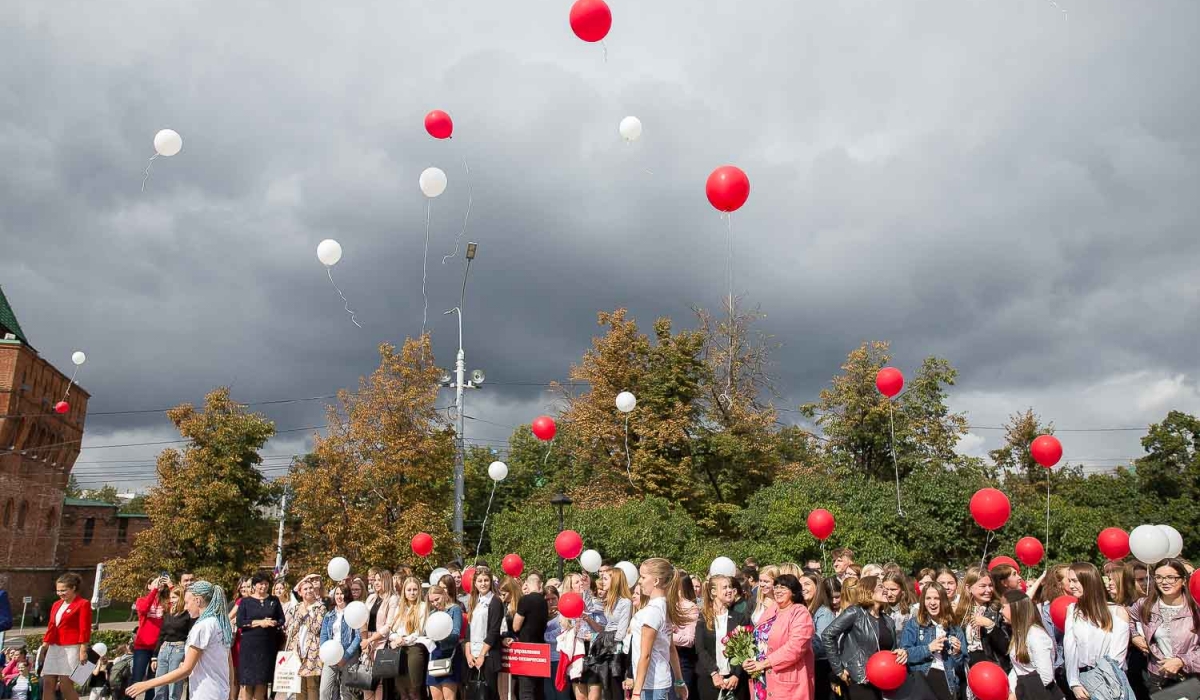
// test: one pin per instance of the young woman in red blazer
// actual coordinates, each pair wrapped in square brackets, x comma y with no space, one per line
[67,638]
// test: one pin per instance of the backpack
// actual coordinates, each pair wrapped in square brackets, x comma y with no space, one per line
[120,673]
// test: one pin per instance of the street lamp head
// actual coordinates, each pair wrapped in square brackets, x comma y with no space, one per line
[560,499]
[477,376]
[471,251]
[444,379]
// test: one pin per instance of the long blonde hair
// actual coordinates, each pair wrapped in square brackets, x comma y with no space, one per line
[672,584]
[771,572]
[512,587]
[618,588]
[709,608]
[410,613]
[966,601]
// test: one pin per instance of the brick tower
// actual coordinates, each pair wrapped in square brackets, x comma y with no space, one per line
[38,448]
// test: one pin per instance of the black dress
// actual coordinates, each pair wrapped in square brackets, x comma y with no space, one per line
[256,654]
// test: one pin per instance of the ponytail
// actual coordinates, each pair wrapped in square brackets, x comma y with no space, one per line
[215,607]
[671,582]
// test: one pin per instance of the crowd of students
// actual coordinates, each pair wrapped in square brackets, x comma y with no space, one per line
[1131,633]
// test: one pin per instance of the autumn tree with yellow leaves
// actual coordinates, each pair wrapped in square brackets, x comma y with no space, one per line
[382,474]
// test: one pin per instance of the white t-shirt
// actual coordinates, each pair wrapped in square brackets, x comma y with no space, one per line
[654,615]
[720,628]
[20,689]
[210,677]
[1162,635]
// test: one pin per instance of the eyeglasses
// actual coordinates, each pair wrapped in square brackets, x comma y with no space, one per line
[1167,579]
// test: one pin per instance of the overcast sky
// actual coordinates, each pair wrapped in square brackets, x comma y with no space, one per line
[1010,185]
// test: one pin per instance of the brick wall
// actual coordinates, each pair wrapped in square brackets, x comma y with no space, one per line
[38,448]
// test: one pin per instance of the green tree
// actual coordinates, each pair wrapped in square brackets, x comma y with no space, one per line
[1169,476]
[207,513]
[1014,456]
[105,494]
[73,490]
[854,416]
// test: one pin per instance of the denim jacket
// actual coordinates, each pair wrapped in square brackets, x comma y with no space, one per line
[915,640]
[821,619]
[351,638]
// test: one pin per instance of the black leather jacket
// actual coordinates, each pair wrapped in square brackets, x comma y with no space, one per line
[850,640]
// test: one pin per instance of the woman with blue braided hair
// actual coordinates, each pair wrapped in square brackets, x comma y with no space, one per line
[207,663]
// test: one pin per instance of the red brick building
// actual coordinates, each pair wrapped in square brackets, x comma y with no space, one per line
[41,534]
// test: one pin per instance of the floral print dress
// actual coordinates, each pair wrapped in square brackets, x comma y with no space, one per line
[304,637]
[758,686]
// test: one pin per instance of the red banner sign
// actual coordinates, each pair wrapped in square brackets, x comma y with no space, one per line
[524,659]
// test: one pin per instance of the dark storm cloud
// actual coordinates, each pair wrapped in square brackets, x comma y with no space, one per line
[989,182]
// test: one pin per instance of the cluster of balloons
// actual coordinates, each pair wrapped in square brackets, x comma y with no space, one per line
[1147,543]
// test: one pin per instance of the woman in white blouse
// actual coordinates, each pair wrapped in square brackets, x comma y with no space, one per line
[1031,650]
[1096,639]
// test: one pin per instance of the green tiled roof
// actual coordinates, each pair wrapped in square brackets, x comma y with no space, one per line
[85,502]
[8,319]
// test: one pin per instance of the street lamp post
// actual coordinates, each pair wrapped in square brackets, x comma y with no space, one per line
[459,383]
[560,501]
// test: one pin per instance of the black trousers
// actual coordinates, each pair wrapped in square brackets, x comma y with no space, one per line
[936,678]
[862,691]
[529,688]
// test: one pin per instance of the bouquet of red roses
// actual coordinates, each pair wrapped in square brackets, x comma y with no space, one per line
[740,647]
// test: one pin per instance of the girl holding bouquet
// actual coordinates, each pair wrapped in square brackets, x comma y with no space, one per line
[724,639]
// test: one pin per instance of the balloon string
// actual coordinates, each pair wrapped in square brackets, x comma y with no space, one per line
[895,464]
[483,528]
[983,560]
[728,395]
[628,457]
[146,172]
[1048,472]
[424,263]
[353,317]
[470,198]
[823,561]
[71,383]
[604,46]
[549,448]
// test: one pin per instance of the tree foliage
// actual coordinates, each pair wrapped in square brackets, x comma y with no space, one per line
[383,473]
[208,511]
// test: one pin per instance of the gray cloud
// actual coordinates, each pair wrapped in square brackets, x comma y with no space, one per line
[989,182]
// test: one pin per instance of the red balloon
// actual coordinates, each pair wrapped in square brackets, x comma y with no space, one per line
[1046,450]
[884,672]
[568,544]
[1194,584]
[570,605]
[544,428]
[422,544]
[997,561]
[889,381]
[468,579]
[512,564]
[820,523]
[1113,543]
[1030,551]
[439,124]
[62,407]
[988,681]
[990,508]
[590,20]
[1058,610]
[727,188]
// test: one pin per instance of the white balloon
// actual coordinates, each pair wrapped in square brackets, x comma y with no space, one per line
[722,566]
[433,182]
[78,357]
[329,252]
[590,560]
[356,614]
[631,128]
[1175,539]
[630,571]
[439,626]
[100,648]
[1149,544]
[167,142]
[437,575]
[498,471]
[626,402]
[338,568]
[332,652]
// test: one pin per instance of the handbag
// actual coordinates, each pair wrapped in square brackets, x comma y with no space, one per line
[477,687]
[440,668]
[386,663]
[358,677]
